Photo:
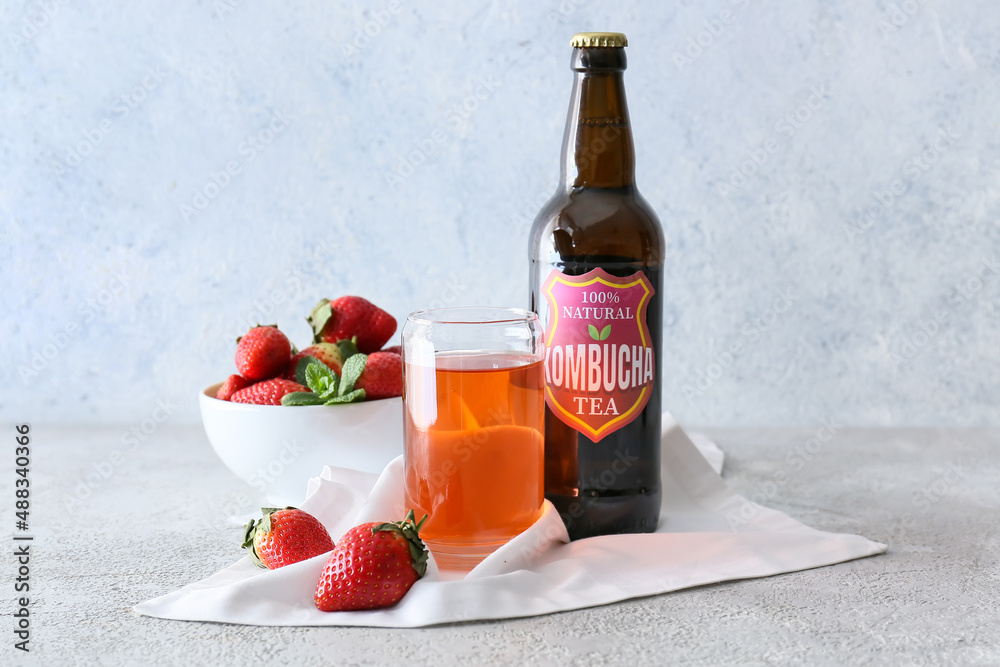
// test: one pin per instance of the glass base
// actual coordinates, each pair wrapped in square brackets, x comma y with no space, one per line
[460,557]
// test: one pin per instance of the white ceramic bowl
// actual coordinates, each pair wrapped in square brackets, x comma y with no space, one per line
[276,449]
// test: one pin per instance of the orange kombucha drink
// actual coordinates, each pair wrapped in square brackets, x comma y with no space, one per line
[474,451]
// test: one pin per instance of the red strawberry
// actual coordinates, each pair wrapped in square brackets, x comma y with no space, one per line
[382,376]
[285,536]
[263,353]
[348,316]
[232,385]
[328,353]
[396,349]
[373,566]
[267,392]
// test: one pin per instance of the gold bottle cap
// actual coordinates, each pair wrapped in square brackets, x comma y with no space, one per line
[585,40]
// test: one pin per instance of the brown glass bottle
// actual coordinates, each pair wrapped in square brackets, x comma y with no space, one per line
[598,220]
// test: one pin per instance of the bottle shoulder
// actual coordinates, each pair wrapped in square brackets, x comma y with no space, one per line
[598,221]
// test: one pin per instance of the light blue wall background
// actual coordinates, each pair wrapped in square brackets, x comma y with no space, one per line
[116,297]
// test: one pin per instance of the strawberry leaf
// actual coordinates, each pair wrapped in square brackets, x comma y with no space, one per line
[593,332]
[250,531]
[411,533]
[248,535]
[350,397]
[318,318]
[605,332]
[264,524]
[301,398]
[351,371]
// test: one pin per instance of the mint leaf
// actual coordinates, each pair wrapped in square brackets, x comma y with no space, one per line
[605,332]
[593,332]
[350,397]
[348,348]
[331,392]
[300,369]
[301,398]
[351,371]
[318,376]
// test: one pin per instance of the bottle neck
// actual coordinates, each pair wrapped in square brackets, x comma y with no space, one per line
[598,151]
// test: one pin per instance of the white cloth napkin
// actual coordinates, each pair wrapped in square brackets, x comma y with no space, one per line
[707,534]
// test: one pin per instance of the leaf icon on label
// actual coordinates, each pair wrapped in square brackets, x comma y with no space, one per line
[605,332]
[593,332]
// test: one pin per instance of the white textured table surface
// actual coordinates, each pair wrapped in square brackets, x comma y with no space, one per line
[159,517]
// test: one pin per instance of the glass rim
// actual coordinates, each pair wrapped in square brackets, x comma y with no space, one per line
[463,315]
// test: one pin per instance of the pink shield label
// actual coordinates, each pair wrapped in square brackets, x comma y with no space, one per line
[599,358]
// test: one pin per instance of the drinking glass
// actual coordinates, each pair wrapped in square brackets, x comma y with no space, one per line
[474,413]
